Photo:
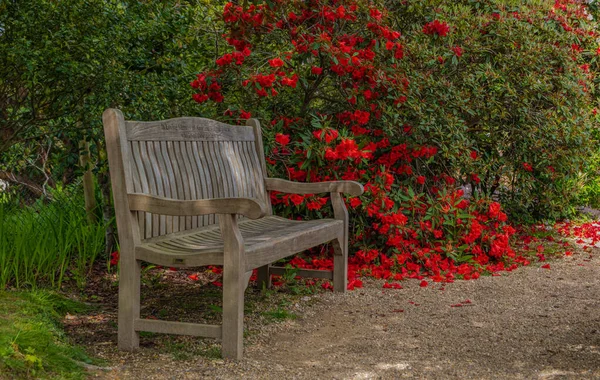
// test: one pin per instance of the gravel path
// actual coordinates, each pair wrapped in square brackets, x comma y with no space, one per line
[533,323]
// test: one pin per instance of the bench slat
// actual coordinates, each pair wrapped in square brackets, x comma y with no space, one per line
[187,129]
[314,273]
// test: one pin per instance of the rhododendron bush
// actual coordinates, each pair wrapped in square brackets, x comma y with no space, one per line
[412,101]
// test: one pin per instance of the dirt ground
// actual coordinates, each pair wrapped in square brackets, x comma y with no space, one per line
[533,323]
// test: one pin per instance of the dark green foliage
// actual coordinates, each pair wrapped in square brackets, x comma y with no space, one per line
[518,95]
[63,62]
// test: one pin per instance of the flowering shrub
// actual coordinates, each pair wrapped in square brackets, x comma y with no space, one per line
[510,84]
[343,94]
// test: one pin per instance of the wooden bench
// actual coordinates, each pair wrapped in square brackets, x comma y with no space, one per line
[190,192]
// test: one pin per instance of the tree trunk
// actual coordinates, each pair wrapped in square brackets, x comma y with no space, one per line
[88,181]
[107,212]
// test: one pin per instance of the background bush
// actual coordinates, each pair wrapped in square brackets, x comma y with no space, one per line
[512,81]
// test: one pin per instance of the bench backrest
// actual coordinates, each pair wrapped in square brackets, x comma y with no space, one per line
[185,158]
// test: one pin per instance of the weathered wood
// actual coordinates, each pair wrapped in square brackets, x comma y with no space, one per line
[313,273]
[289,242]
[260,150]
[263,279]
[187,129]
[233,288]
[178,328]
[340,246]
[190,170]
[284,186]
[250,208]
[130,268]
[181,187]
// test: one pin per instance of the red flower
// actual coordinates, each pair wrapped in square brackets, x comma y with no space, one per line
[224,60]
[193,277]
[355,202]
[331,135]
[276,62]
[502,217]
[296,199]
[458,51]
[282,139]
[400,100]
[375,14]
[423,284]
[290,82]
[114,258]
[245,114]
[361,117]
[527,167]
[494,209]
[436,27]
[316,70]
[463,204]
[392,285]
[316,204]
[473,155]
[200,98]
[420,180]
[546,266]
[355,284]
[399,52]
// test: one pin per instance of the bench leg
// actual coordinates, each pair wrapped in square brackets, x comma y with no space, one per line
[340,245]
[129,302]
[233,288]
[264,277]
[233,316]
[340,265]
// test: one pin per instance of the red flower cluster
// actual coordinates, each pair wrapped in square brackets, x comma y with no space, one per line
[114,258]
[209,87]
[436,27]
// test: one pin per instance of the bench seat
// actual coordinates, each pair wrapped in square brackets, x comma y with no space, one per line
[265,240]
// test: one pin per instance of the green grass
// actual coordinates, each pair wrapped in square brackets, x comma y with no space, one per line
[32,343]
[280,313]
[41,243]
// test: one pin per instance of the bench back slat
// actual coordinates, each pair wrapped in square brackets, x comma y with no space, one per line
[187,128]
[187,159]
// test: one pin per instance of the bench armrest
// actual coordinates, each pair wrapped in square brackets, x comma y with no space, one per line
[248,207]
[290,187]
